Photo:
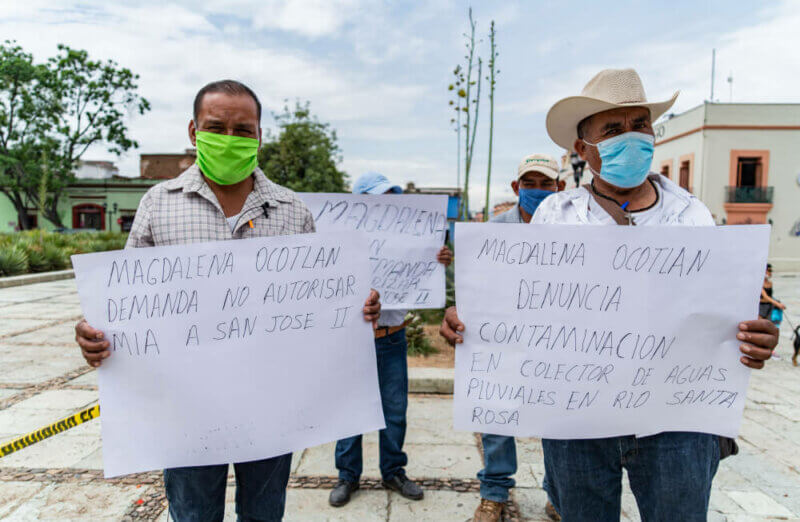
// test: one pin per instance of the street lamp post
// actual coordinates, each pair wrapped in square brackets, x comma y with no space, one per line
[108,213]
[577,167]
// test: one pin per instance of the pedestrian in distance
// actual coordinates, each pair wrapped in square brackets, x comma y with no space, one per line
[770,308]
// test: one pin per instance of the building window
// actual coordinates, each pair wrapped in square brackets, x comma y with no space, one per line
[749,168]
[684,172]
[126,222]
[749,171]
[88,215]
[33,220]
[666,168]
[684,175]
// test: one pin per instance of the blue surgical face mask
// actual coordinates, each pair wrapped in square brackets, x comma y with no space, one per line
[626,158]
[529,199]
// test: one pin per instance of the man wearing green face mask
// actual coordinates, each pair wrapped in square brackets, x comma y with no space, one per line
[223,196]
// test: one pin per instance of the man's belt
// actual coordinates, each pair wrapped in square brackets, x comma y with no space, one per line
[383,331]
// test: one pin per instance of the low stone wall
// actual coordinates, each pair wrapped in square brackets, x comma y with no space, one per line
[29,279]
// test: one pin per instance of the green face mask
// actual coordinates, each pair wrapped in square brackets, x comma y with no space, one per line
[225,159]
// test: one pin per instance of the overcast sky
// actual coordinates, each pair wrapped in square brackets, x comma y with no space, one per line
[378,70]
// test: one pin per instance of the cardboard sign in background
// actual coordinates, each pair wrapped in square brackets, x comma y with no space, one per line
[405,231]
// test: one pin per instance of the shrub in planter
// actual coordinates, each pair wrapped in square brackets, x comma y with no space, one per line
[56,258]
[418,343]
[45,251]
[13,261]
[44,256]
[37,262]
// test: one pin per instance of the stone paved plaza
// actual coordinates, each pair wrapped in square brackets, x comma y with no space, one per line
[43,379]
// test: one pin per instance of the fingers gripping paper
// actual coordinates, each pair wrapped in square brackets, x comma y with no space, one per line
[405,233]
[231,351]
[589,332]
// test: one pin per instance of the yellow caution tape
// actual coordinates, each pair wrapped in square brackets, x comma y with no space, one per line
[48,431]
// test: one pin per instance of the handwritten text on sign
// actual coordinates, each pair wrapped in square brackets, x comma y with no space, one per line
[405,233]
[588,332]
[231,351]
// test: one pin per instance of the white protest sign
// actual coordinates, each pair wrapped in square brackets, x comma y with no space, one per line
[405,231]
[231,351]
[579,332]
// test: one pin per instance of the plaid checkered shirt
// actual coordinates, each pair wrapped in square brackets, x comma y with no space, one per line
[185,210]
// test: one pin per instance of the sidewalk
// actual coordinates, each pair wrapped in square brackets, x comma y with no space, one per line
[43,378]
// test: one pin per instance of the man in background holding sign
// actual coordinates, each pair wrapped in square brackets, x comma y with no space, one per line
[610,126]
[391,349]
[223,196]
[537,179]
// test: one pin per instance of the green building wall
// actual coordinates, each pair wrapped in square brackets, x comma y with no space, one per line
[125,193]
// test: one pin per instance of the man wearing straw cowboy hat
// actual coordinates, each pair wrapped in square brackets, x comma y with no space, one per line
[610,126]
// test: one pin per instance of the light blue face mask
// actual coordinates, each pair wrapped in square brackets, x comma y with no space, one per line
[626,158]
[529,199]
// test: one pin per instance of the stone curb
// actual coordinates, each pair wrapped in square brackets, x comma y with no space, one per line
[29,279]
[431,380]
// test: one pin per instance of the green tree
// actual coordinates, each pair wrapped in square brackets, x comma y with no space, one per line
[50,114]
[26,118]
[304,153]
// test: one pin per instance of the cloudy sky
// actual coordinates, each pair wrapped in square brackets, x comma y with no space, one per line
[378,70]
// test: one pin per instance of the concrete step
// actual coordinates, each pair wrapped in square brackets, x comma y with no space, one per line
[42,277]
[431,380]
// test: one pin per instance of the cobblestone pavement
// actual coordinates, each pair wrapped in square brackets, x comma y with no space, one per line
[43,378]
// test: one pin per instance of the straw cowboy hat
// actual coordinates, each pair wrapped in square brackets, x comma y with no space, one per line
[609,89]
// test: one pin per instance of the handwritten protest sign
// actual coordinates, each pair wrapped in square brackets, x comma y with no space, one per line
[231,351]
[589,332]
[405,233]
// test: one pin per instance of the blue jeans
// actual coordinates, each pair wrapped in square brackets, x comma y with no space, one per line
[197,494]
[393,381]
[499,463]
[670,475]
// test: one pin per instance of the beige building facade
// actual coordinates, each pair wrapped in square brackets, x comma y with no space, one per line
[743,161]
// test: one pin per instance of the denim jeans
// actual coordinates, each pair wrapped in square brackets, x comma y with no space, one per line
[670,475]
[499,463]
[393,381]
[197,494]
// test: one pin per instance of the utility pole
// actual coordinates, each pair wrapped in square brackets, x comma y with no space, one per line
[713,64]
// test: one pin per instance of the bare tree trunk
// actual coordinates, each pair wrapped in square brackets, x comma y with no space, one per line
[467,141]
[474,132]
[492,62]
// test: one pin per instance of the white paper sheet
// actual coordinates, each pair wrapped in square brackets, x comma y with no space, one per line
[231,351]
[405,230]
[588,332]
